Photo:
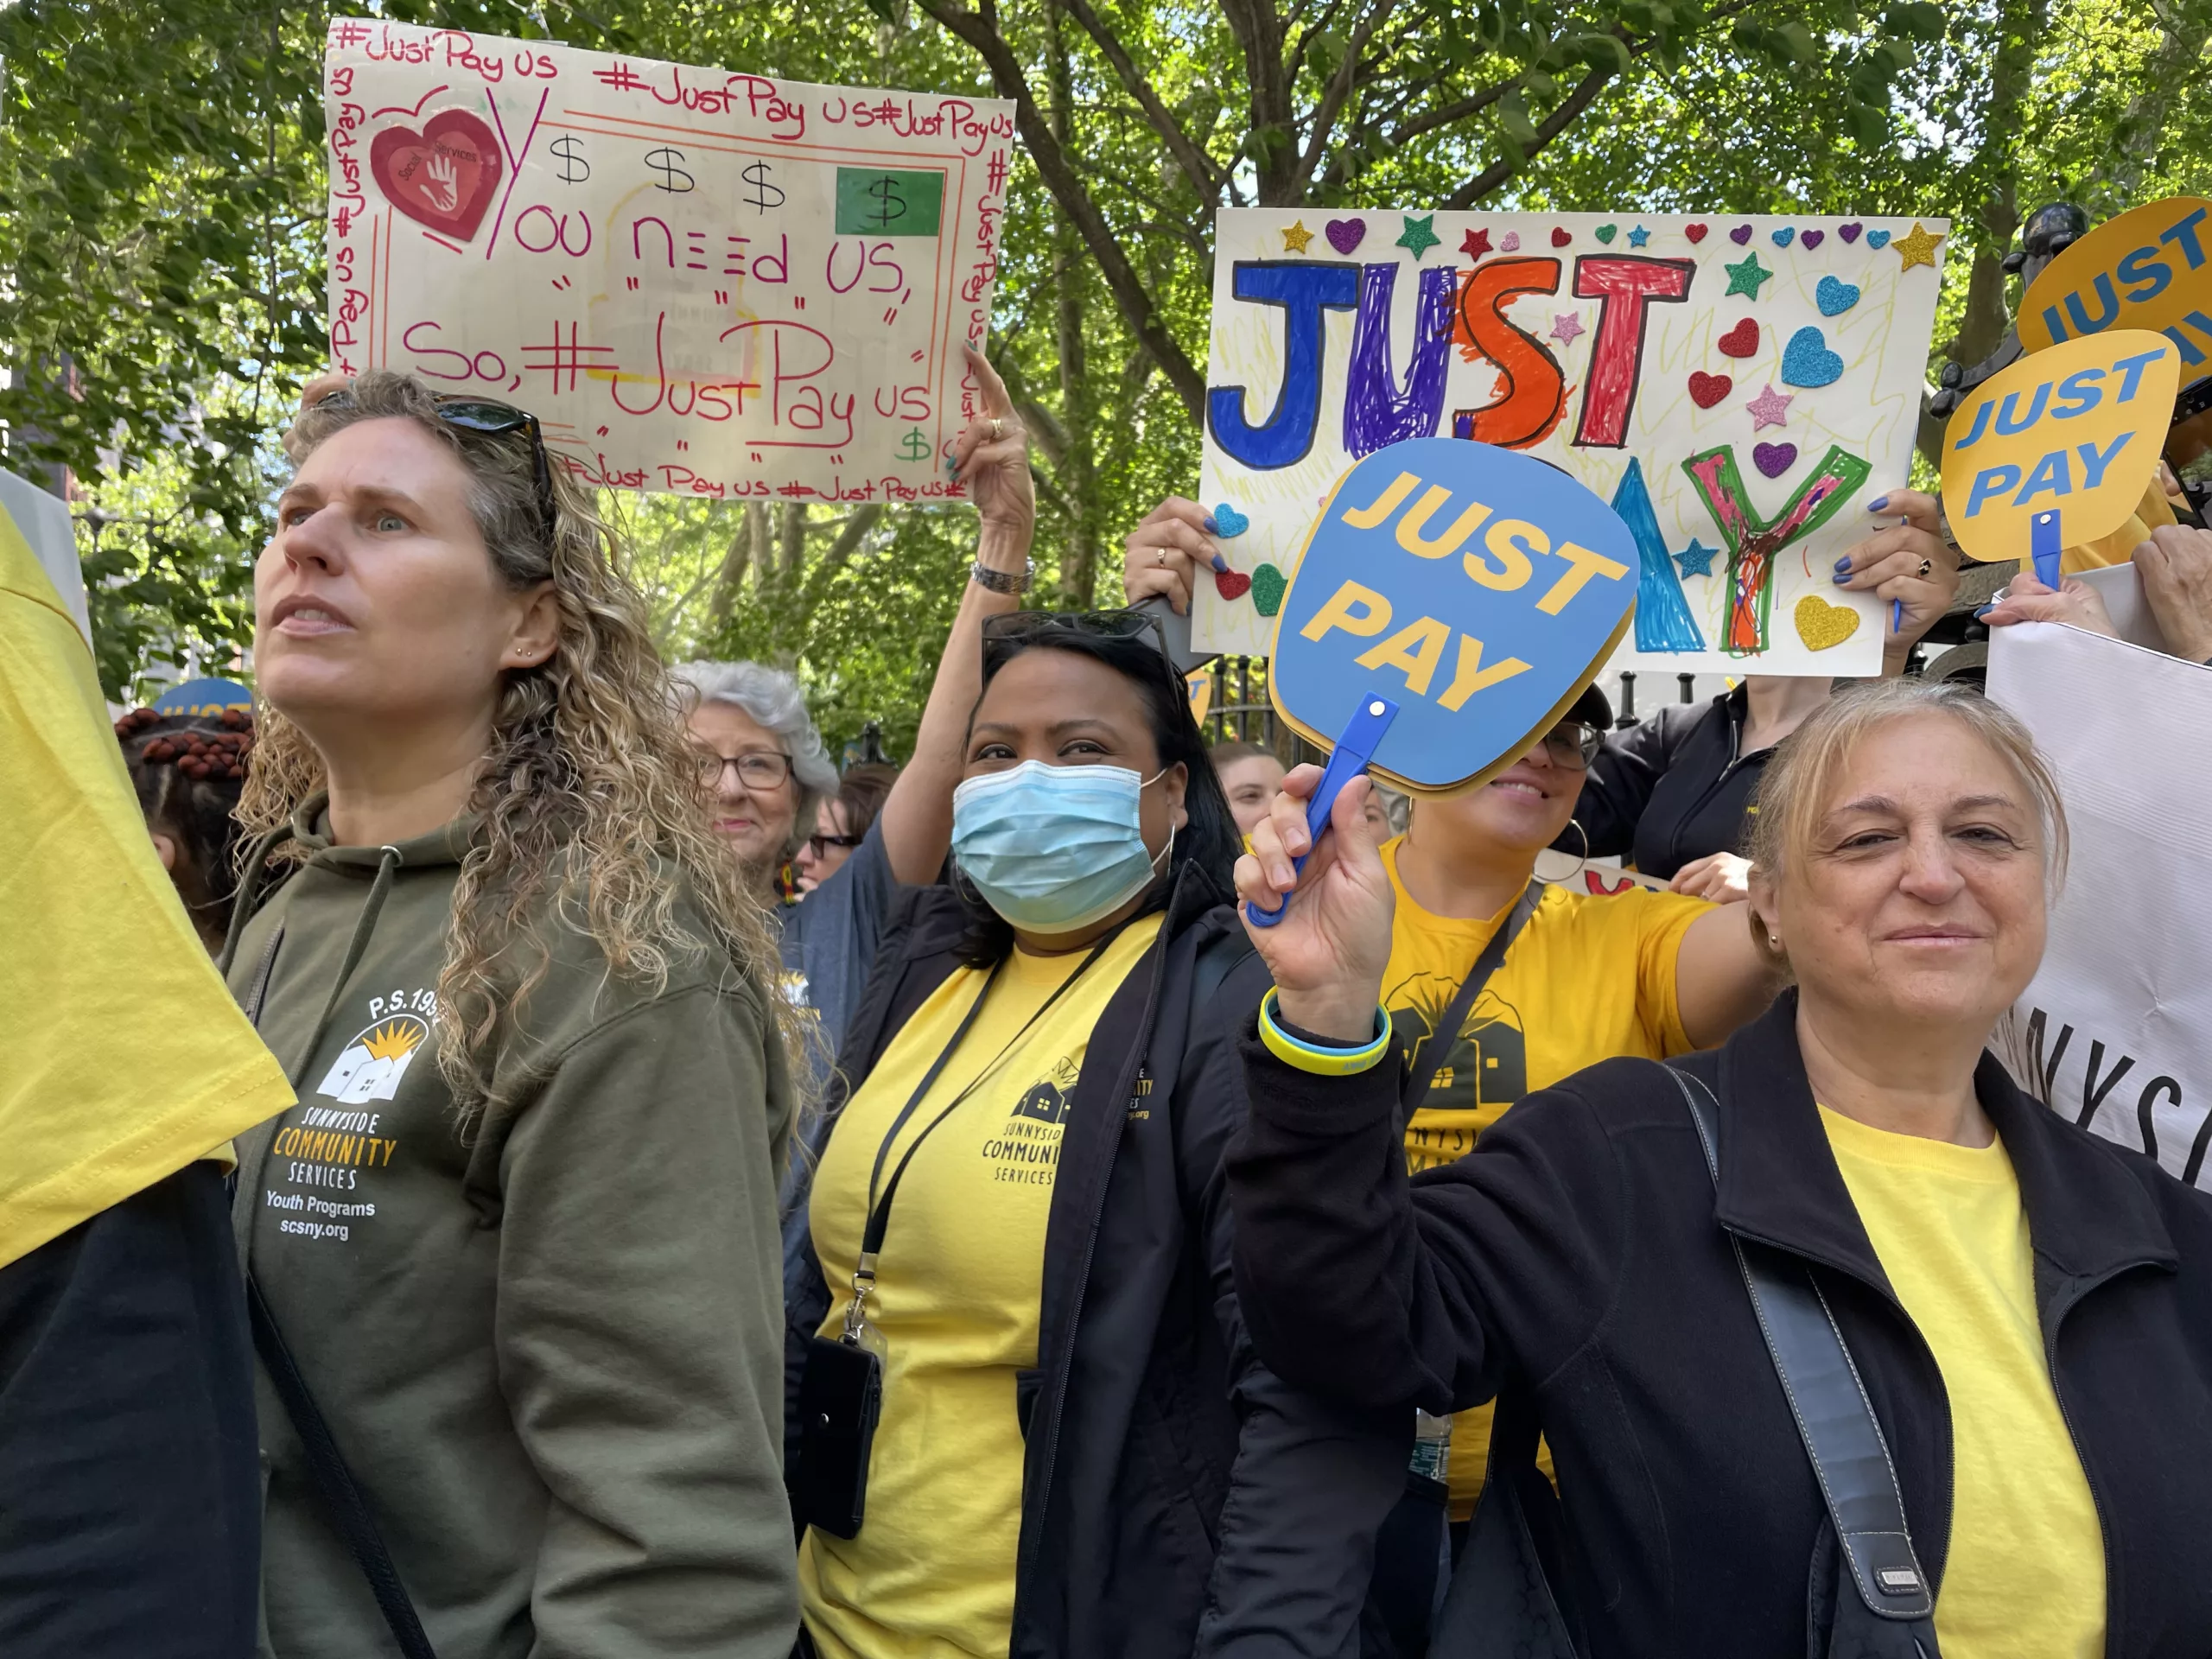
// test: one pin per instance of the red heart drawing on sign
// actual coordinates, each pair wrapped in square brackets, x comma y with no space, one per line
[1707,390]
[1231,584]
[1741,340]
[443,177]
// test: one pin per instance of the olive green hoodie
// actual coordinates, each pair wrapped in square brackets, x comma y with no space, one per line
[548,1342]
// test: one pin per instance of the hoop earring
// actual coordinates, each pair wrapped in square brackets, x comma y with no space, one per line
[1575,824]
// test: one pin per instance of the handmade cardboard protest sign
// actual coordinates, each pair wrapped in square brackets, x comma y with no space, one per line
[1559,869]
[2058,450]
[1728,384]
[701,283]
[2150,267]
[1477,589]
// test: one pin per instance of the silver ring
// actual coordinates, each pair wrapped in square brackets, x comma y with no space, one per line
[1159,557]
[1926,565]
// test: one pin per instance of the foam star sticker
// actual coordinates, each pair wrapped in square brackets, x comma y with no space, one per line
[1565,326]
[1638,236]
[1475,243]
[1918,249]
[1768,408]
[1419,235]
[1746,277]
[1295,237]
[1696,559]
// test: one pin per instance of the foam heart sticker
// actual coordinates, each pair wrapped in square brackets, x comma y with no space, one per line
[1821,625]
[1695,233]
[1269,587]
[1707,390]
[443,177]
[1231,584]
[1227,521]
[1849,232]
[1509,243]
[1877,239]
[1807,361]
[1605,233]
[1784,237]
[1560,238]
[1812,238]
[1740,235]
[1345,234]
[1741,340]
[1774,459]
[1835,298]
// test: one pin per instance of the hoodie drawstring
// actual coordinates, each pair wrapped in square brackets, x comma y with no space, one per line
[252,879]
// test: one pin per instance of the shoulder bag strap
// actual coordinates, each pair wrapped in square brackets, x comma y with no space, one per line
[1441,1041]
[1834,1418]
[334,1482]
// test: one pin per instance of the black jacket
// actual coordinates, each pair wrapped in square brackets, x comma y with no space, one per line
[1177,1496]
[1671,789]
[1578,1252]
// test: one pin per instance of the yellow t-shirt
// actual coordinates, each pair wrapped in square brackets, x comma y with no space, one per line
[1590,977]
[957,1288]
[122,1057]
[2024,1578]
[2120,546]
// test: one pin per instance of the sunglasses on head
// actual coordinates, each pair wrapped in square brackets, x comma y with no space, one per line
[1036,627]
[489,419]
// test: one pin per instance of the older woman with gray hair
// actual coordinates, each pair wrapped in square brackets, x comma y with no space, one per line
[1841,1295]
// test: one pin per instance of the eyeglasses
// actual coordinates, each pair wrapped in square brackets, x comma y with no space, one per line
[822,844]
[1572,745]
[490,420]
[756,770]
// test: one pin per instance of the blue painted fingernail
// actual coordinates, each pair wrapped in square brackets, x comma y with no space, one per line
[1212,529]
[1220,564]
[1984,610]
[1878,504]
[1843,564]
[1842,576]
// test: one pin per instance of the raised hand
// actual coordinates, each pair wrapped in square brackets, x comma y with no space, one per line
[991,458]
[1724,877]
[1909,562]
[1329,952]
[1164,554]
[444,181]
[2176,569]
[2073,602]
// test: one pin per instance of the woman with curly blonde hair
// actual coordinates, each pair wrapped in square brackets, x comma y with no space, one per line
[512,1256]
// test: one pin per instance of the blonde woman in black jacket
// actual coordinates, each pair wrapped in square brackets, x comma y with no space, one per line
[2029,1309]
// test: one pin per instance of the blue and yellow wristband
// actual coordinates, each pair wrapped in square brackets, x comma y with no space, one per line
[1312,1056]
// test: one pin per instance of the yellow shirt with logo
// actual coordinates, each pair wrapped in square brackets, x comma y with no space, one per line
[958,1282]
[123,1058]
[2024,1578]
[1590,977]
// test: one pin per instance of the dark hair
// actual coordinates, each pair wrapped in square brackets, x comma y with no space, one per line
[1208,844]
[188,771]
[862,792]
[1228,754]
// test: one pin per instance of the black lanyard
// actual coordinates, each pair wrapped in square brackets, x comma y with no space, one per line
[879,1213]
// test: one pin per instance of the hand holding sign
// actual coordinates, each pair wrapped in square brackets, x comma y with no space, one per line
[2058,450]
[1328,955]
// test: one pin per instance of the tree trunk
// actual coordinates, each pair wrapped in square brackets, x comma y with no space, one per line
[1077,462]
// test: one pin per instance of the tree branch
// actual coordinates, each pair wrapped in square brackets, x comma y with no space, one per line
[1121,279]
[1332,98]
[1197,166]
[1557,122]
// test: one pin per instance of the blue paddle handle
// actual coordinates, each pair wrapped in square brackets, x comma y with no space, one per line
[1354,748]
[2043,545]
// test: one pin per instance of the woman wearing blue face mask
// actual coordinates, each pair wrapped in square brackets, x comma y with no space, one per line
[1018,1224]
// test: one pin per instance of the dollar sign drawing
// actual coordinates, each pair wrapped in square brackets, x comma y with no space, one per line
[890,204]
[668,163]
[914,445]
[765,195]
[573,168]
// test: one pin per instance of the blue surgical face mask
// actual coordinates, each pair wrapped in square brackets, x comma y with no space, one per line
[1053,848]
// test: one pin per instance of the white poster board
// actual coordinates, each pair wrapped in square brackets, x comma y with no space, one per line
[1738,388]
[2116,1030]
[42,519]
[701,283]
